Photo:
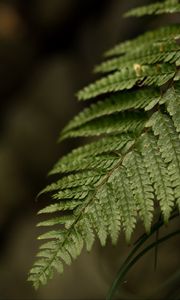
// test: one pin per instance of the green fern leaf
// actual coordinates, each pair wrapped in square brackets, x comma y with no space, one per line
[126,78]
[85,227]
[124,196]
[129,122]
[141,186]
[147,39]
[105,187]
[62,206]
[168,6]
[149,54]
[114,104]
[160,177]
[75,180]
[172,100]
[73,161]
[169,146]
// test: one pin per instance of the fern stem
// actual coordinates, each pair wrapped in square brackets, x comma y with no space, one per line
[128,263]
[132,263]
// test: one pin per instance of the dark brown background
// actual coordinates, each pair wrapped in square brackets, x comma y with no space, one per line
[47,51]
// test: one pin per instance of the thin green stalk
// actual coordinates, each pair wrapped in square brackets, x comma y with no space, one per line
[138,244]
[134,260]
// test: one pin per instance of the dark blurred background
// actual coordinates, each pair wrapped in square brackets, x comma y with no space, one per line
[47,52]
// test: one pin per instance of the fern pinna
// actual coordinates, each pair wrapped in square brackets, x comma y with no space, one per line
[106,186]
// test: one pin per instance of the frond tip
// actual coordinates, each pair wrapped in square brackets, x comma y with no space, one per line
[132,169]
[168,6]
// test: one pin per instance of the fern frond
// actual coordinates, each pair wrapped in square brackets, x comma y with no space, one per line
[148,38]
[169,146]
[127,122]
[168,6]
[156,52]
[73,161]
[77,193]
[141,186]
[52,258]
[157,169]
[100,162]
[107,185]
[87,231]
[126,78]
[114,104]
[112,211]
[74,180]
[123,195]
[172,100]
[61,206]
[53,234]
[98,217]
